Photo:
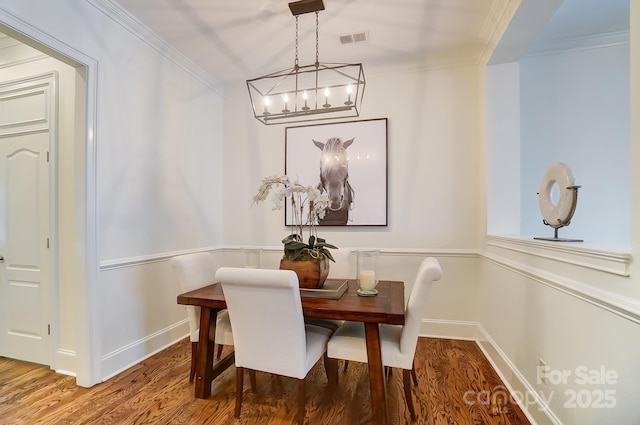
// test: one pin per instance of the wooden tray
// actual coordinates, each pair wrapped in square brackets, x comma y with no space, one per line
[332,288]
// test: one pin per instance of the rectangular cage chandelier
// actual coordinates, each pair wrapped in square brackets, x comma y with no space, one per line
[319,91]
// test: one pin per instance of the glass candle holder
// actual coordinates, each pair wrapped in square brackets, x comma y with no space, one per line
[367,269]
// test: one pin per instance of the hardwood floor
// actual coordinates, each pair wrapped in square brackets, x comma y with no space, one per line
[451,375]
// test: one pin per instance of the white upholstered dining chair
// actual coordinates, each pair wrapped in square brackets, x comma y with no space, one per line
[397,342]
[268,328]
[195,271]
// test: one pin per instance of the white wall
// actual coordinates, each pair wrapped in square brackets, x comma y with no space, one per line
[433,175]
[432,164]
[575,109]
[160,188]
[574,306]
[159,185]
[634,91]
[503,145]
[530,314]
[572,107]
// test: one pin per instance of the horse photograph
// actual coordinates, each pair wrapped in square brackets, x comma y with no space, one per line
[347,162]
[334,180]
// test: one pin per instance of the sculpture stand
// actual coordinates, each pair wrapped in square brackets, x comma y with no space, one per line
[555,237]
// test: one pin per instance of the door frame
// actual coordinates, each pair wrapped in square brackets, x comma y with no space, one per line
[88,370]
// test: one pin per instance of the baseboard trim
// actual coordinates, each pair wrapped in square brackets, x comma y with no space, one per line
[452,329]
[532,403]
[125,357]
[65,362]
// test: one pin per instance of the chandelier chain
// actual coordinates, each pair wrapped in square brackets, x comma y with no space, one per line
[317,60]
[296,62]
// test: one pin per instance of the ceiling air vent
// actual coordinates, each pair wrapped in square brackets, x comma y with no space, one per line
[346,39]
[354,38]
[360,36]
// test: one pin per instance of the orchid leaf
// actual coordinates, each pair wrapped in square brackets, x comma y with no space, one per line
[295,245]
[328,255]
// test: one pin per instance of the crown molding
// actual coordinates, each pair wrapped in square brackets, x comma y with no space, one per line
[500,15]
[573,44]
[6,41]
[132,24]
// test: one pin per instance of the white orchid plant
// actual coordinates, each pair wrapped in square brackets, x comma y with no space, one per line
[307,206]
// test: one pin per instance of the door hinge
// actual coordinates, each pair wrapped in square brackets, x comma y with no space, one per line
[47,156]
[47,243]
[48,329]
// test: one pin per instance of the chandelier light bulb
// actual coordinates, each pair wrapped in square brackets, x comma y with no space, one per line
[285,99]
[349,90]
[266,106]
[326,98]
[305,96]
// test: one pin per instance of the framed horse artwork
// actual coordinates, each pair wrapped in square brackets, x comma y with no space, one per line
[348,162]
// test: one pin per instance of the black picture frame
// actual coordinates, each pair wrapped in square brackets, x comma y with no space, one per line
[366,155]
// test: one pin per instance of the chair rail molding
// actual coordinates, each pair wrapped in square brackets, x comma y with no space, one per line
[618,264]
[120,263]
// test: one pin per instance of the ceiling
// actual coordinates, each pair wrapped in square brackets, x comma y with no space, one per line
[538,25]
[583,18]
[238,40]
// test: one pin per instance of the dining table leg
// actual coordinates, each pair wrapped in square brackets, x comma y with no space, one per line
[204,356]
[376,374]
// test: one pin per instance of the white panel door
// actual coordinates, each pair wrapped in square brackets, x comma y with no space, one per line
[25,131]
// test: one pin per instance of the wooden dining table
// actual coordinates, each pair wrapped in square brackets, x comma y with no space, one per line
[386,307]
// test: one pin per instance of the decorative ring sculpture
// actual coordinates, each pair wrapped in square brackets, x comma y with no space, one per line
[557,215]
